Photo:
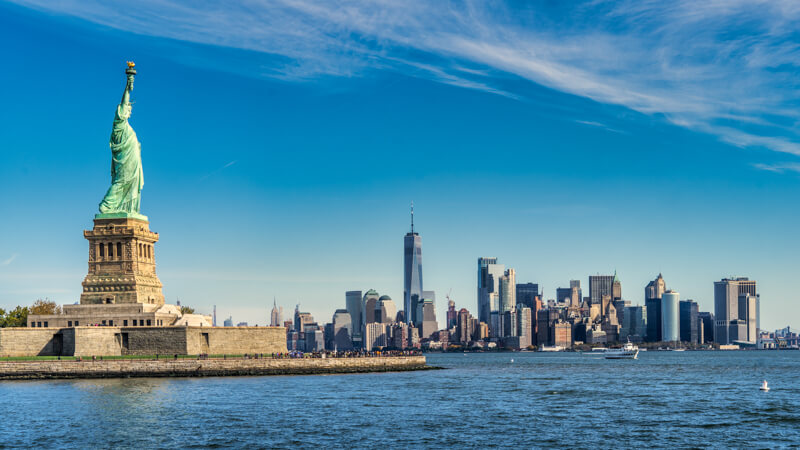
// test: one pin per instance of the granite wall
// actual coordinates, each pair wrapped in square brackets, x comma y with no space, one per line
[210,367]
[30,341]
[114,341]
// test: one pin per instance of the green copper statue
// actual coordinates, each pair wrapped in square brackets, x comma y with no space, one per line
[127,179]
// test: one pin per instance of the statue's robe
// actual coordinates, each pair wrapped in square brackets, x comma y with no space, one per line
[127,178]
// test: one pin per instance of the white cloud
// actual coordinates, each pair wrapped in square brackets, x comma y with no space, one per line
[779,168]
[724,67]
[9,260]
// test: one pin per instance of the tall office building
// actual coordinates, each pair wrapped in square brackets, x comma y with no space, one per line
[656,288]
[734,298]
[706,323]
[375,336]
[354,305]
[576,284]
[387,309]
[546,319]
[525,325]
[570,297]
[747,313]
[371,308]
[494,315]
[690,322]
[670,318]
[509,323]
[464,324]
[452,314]
[426,295]
[616,288]
[330,342]
[412,268]
[399,334]
[426,314]
[276,315]
[489,273]
[652,300]
[600,285]
[508,294]
[342,330]
[527,293]
[620,309]
[634,323]
[564,295]
[301,319]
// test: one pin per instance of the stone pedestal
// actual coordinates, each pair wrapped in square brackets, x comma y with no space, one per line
[122,263]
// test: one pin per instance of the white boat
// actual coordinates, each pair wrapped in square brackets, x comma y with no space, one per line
[554,348]
[628,351]
[764,386]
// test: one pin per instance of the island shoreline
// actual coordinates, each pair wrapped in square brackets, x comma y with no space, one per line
[137,368]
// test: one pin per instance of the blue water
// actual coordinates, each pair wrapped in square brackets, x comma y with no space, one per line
[664,399]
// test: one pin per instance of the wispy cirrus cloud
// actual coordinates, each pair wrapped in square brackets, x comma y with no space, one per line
[9,260]
[218,170]
[728,68]
[779,168]
[603,126]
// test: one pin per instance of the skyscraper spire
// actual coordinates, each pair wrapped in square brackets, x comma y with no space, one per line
[412,216]
[412,271]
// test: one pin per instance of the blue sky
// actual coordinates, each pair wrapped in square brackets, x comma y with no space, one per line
[283,142]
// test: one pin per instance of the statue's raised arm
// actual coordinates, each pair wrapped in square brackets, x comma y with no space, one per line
[127,180]
[130,72]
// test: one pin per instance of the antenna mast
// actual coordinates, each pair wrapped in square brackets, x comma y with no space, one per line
[412,217]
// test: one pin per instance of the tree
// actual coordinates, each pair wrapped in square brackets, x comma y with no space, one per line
[187,310]
[44,307]
[15,318]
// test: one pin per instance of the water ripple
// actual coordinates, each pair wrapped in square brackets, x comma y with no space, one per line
[664,399]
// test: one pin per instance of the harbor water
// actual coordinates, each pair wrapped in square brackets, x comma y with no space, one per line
[663,399]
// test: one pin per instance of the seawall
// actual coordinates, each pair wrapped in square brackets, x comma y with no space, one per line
[54,369]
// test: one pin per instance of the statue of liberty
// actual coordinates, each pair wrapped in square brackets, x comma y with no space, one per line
[127,179]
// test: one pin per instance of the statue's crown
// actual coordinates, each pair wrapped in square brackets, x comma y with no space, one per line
[130,64]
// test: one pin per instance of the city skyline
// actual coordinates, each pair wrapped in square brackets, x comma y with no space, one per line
[305,216]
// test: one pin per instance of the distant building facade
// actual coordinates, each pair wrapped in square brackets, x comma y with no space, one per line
[689,322]
[342,327]
[670,318]
[355,307]
[600,285]
[735,308]
[489,274]
[652,294]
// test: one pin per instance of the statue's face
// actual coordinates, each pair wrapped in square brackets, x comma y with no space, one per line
[126,110]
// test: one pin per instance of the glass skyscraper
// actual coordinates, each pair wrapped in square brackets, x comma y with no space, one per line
[652,298]
[412,268]
[354,304]
[489,273]
[670,318]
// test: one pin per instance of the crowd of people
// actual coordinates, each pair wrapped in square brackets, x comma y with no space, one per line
[342,354]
